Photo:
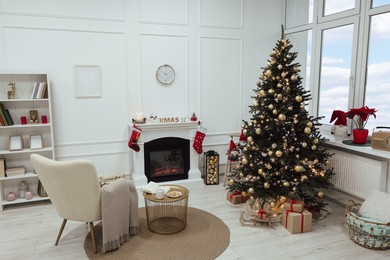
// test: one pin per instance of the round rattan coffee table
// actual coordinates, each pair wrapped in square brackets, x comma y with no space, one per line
[167,215]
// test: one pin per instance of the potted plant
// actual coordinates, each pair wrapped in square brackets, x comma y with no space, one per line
[360,117]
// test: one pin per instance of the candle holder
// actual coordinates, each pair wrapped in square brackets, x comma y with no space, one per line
[139,120]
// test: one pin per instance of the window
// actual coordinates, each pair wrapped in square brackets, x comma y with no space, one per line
[335,70]
[350,60]
[301,42]
[304,16]
[336,6]
[376,3]
[378,69]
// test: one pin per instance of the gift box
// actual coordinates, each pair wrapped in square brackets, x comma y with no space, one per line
[293,205]
[297,222]
[236,197]
[261,214]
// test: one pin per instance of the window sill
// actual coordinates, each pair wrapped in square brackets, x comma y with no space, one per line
[365,151]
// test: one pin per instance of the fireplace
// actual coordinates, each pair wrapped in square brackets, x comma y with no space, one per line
[156,131]
[167,159]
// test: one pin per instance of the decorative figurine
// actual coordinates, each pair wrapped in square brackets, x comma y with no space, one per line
[12,92]
[193,117]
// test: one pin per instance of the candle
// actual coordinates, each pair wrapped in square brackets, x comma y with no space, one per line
[23,120]
[139,117]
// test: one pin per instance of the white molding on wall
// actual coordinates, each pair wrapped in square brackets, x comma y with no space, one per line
[173,35]
[241,26]
[184,23]
[60,29]
[241,77]
[99,148]
[92,18]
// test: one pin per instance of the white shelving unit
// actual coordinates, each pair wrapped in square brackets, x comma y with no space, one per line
[18,107]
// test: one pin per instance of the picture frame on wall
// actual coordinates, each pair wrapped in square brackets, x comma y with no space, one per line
[87,81]
[15,143]
[36,142]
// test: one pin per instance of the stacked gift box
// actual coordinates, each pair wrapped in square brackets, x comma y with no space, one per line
[236,197]
[295,218]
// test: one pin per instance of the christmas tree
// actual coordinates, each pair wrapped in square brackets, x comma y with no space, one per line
[284,155]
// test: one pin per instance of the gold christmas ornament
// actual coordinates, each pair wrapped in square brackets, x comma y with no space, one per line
[251,190]
[268,73]
[244,161]
[320,194]
[278,154]
[309,124]
[245,131]
[281,117]
[294,78]
[262,93]
[302,105]
[315,141]
[279,85]
[303,178]
[304,144]
[286,184]
[270,153]
[282,199]
[260,171]
[272,204]
[307,130]
[298,99]
[244,194]
[280,66]
[271,91]
[231,181]
[297,168]
[258,131]
[270,107]
[313,147]
[274,111]
[249,139]
[266,185]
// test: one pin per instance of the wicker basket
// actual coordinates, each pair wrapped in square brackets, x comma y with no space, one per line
[366,233]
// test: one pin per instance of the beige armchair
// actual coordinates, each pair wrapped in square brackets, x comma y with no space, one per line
[73,188]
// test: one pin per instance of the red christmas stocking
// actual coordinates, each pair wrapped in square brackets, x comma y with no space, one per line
[134,138]
[198,140]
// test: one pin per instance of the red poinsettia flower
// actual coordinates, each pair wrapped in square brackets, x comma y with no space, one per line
[362,114]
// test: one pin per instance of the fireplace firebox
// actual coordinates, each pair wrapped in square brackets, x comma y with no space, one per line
[167,159]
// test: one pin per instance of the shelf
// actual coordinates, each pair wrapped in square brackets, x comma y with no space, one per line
[21,176]
[46,149]
[24,100]
[22,105]
[24,126]
[22,200]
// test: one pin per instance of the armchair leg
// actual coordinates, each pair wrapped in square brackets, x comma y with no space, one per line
[93,236]
[61,229]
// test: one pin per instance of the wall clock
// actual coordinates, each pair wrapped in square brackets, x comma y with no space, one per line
[165,74]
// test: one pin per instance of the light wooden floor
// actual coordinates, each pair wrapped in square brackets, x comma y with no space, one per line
[29,232]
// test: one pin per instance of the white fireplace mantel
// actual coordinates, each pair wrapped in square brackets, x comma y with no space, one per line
[152,131]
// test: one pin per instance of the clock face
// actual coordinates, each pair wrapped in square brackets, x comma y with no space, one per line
[165,74]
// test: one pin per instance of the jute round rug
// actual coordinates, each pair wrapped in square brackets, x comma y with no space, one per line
[205,237]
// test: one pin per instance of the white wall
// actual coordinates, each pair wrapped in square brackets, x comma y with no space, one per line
[216,47]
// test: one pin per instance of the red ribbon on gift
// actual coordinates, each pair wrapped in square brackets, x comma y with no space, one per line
[294,201]
[262,212]
[302,219]
[234,194]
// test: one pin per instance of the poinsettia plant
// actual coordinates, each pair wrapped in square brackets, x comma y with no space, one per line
[361,114]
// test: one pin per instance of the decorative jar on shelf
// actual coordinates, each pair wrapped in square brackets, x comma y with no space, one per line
[360,136]
[11,196]
[22,189]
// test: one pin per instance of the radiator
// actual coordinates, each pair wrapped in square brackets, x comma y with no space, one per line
[357,175]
